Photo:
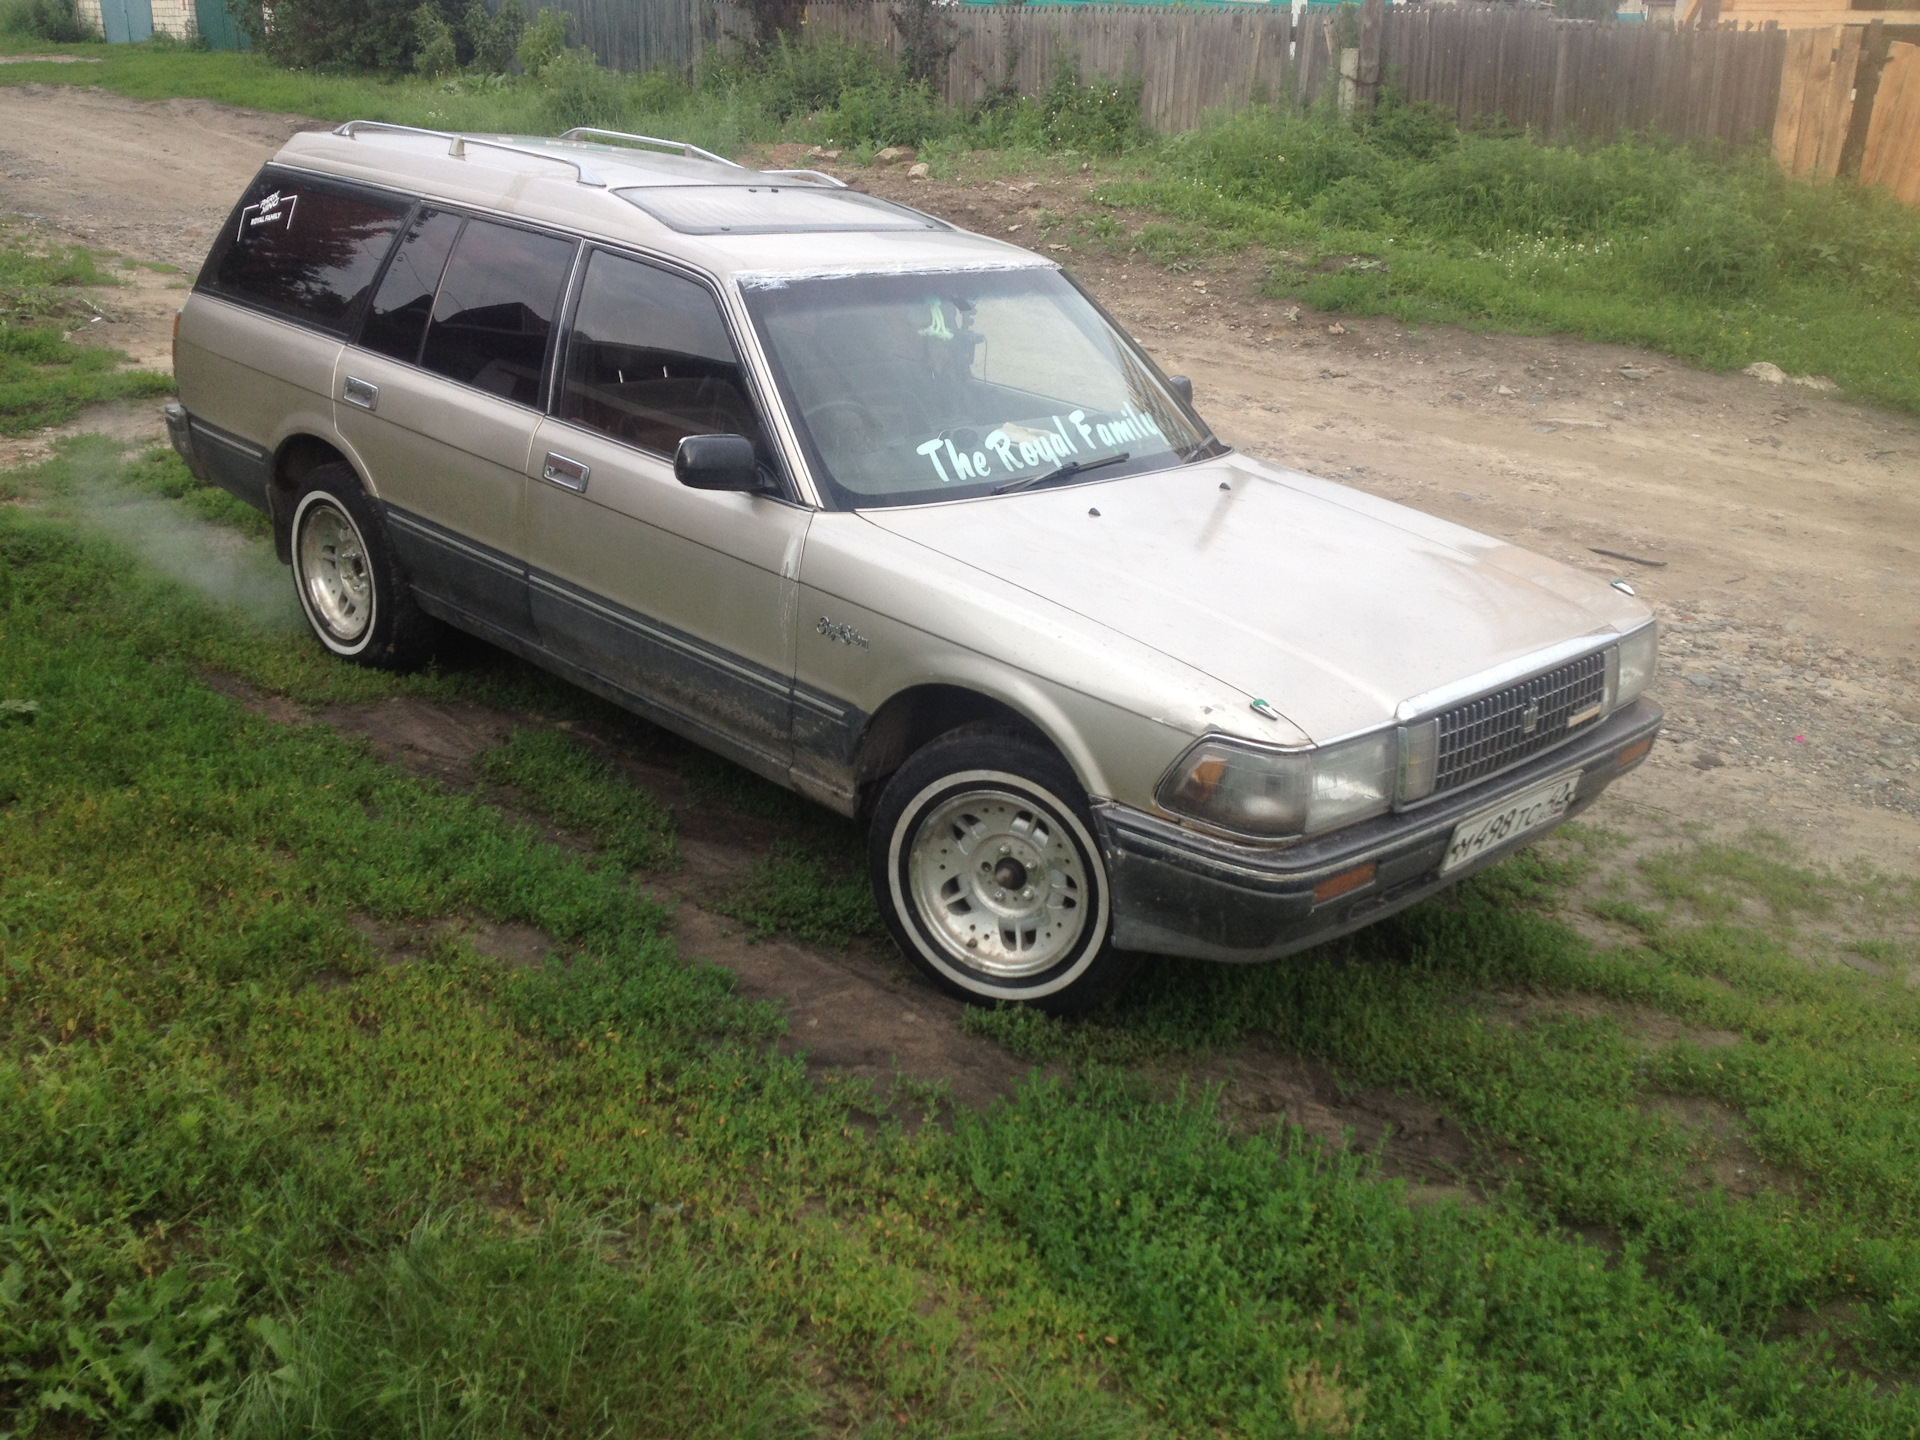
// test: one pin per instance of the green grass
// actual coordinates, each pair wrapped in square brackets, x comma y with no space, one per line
[256,1177]
[1715,258]
[45,379]
[813,892]
[581,793]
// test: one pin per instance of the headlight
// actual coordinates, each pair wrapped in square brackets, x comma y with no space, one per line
[1279,794]
[1639,655]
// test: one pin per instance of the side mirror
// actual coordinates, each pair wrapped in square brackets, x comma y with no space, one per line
[716,462]
[1182,386]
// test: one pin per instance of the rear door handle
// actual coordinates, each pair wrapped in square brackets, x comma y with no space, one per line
[363,393]
[568,474]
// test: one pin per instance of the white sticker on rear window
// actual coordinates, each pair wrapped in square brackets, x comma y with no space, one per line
[274,209]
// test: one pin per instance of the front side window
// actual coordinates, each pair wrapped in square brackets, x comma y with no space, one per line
[396,321]
[303,248]
[494,311]
[918,387]
[651,361]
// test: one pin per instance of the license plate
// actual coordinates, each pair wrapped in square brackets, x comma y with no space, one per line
[1493,827]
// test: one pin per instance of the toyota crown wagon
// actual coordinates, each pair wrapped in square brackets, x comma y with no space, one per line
[896,516]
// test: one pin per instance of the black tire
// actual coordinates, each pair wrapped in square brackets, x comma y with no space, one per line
[984,863]
[355,596]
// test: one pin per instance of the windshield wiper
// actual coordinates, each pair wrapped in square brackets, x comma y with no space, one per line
[1063,472]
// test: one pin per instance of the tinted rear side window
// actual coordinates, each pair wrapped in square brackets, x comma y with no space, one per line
[651,362]
[304,248]
[495,309]
[397,320]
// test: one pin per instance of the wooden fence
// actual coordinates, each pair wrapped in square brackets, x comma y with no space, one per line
[1570,80]
[1891,156]
[1189,60]
[1562,79]
[640,34]
[1837,101]
[1850,105]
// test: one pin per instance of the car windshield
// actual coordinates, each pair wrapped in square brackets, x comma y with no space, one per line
[909,388]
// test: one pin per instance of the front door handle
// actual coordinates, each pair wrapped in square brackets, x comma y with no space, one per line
[568,474]
[363,393]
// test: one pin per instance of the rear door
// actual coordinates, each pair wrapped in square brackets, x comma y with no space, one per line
[440,399]
[681,598]
[282,287]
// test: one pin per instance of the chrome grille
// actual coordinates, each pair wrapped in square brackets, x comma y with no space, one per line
[1493,732]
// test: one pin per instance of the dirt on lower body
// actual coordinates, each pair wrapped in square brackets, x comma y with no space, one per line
[1773,528]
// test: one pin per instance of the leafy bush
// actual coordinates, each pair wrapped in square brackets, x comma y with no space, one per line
[579,90]
[55,21]
[437,54]
[335,35]
[493,39]
[543,41]
[1101,118]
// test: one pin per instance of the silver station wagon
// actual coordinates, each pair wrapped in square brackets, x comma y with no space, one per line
[897,516]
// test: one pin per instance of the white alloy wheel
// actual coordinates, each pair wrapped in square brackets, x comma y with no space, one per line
[997,884]
[334,573]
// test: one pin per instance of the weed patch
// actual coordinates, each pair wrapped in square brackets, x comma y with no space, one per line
[581,792]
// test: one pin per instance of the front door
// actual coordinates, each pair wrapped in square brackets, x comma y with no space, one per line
[440,400]
[682,599]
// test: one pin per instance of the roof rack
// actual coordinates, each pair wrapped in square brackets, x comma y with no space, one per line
[457,145]
[692,152]
[821,175]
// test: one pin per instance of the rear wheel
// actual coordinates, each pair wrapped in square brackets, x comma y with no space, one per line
[351,589]
[986,870]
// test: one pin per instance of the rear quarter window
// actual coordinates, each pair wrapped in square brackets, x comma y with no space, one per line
[304,248]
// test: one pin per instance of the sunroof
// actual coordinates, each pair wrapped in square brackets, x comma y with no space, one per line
[769,209]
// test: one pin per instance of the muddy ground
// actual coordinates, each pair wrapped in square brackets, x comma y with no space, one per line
[1773,527]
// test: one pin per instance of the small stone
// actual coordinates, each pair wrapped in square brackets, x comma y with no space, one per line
[1336,328]
[1815,382]
[1631,372]
[1766,370]
[892,154]
[1700,682]
[920,171]
[1504,390]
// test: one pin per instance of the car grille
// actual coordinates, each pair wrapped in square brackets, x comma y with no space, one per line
[1493,732]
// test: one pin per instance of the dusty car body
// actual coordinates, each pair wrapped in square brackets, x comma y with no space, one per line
[1102,686]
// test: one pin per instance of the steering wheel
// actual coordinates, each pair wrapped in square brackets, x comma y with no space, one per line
[844,425]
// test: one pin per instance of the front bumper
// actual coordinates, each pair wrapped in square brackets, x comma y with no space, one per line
[1176,892]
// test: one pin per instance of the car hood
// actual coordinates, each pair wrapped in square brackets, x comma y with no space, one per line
[1330,604]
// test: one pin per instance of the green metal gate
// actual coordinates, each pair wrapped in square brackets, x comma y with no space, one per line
[126,22]
[217,26]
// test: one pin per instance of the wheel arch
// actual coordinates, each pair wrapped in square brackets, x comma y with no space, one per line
[297,456]
[914,717]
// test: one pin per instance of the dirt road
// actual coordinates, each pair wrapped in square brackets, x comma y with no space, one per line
[1776,529]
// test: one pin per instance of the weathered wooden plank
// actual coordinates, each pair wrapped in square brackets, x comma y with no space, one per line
[1794,76]
[1892,155]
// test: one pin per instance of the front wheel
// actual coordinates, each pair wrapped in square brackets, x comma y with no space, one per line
[986,871]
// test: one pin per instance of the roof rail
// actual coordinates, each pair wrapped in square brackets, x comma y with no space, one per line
[820,175]
[692,152]
[457,145]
